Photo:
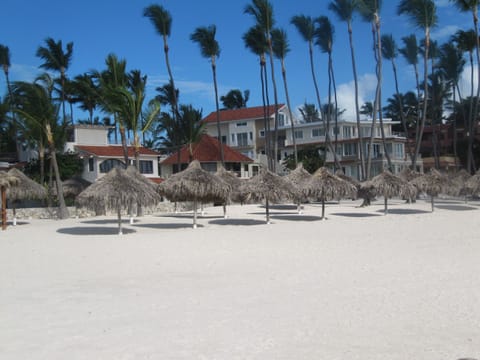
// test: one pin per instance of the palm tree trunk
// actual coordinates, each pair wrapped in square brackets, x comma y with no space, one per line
[473,129]
[267,210]
[275,99]
[217,108]
[123,138]
[292,125]
[265,116]
[357,105]
[4,207]
[62,208]
[385,201]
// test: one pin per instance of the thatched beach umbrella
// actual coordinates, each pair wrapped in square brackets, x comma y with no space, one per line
[74,186]
[235,184]
[473,184]
[458,183]
[117,190]
[325,186]
[389,185]
[299,178]
[194,184]
[6,181]
[269,187]
[25,189]
[432,183]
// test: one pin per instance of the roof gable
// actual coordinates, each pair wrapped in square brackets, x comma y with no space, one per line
[250,113]
[206,150]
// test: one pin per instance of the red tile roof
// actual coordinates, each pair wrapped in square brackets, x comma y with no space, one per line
[207,150]
[250,113]
[113,150]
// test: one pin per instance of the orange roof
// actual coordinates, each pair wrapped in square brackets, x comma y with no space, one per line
[241,114]
[207,150]
[156,180]
[113,150]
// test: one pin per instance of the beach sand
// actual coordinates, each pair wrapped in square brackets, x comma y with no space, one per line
[359,285]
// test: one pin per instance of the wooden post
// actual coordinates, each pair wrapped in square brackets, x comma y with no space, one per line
[4,208]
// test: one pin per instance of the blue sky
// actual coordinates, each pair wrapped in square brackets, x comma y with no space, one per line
[100,27]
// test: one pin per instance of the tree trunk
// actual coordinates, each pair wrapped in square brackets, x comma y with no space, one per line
[292,125]
[124,145]
[275,99]
[217,109]
[4,207]
[62,208]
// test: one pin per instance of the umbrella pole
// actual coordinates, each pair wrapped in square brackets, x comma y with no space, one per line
[267,210]
[299,207]
[119,215]
[432,200]
[385,199]
[323,209]
[195,213]
[4,208]
[14,210]
[225,211]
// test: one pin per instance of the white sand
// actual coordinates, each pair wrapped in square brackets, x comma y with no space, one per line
[356,286]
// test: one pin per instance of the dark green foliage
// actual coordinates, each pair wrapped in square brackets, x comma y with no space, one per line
[69,166]
[310,157]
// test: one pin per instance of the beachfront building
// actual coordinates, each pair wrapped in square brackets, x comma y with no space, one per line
[347,145]
[244,129]
[91,143]
[207,152]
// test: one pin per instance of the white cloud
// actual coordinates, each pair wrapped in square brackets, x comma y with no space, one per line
[21,72]
[465,81]
[445,32]
[346,94]
[443,3]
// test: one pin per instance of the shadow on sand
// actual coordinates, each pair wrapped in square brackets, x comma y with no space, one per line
[93,230]
[244,222]
[404,211]
[297,217]
[359,215]
[189,216]
[455,207]
[107,221]
[168,226]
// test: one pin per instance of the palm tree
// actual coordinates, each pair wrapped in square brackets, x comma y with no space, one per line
[262,12]
[235,99]
[451,64]
[255,40]
[281,48]
[35,105]
[162,21]
[472,6]
[210,49]
[166,96]
[344,9]
[422,14]
[309,113]
[306,27]
[57,59]
[390,52]
[324,39]
[85,92]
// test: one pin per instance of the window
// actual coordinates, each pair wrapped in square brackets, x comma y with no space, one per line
[349,149]
[146,167]
[91,164]
[109,164]
[244,123]
[251,135]
[365,131]
[242,139]
[298,134]
[398,150]
[347,132]
[317,132]
[209,166]
[224,139]
[281,119]
[262,133]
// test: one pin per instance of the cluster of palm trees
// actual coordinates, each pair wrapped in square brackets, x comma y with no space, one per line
[34,108]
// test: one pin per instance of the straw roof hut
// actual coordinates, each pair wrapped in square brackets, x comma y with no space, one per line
[117,190]
[433,183]
[269,187]
[6,181]
[194,184]
[458,182]
[325,186]
[300,178]
[473,184]
[408,174]
[389,185]
[25,189]
[235,184]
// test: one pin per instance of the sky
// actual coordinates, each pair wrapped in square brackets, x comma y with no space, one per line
[98,28]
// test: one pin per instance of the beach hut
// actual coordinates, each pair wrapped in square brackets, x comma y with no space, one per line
[433,183]
[117,190]
[325,186]
[299,178]
[389,185]
[25,189]
[269,187]
[6,181]
[194,184]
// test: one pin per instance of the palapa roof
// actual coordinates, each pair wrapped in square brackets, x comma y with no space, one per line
[326,186]
[408,174]
[7,179]
[299,177]
[268,186]
[473,184]
[26,188]
[250,113]
[388,185]
[233,180]
[194,183]
[74,186]
[458,182]
[207,150]
[432,183]
[118,189]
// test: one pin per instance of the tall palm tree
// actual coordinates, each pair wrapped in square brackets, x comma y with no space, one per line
[262,12]
[306,28]
[344,10]
[309,112]
[235,99]
[35,105]
[324,39]
[255,40]
[57,59]
[85,92]
[451,64]
[390,52]
[422,13]
[5,63]
[280,50]
[210,49]
[162,21]
[472,7]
